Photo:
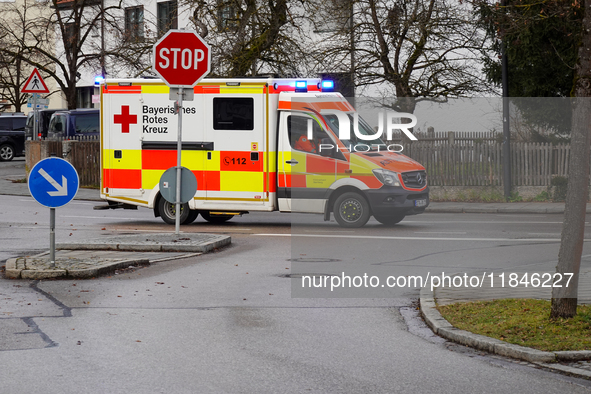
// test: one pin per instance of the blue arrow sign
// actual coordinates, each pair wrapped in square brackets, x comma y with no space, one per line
[53,182]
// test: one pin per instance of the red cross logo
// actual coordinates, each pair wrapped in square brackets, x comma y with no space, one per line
[125,119]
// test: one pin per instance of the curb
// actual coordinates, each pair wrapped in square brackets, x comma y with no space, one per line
[442,327]
[484,209]
[150,247]
[14,272]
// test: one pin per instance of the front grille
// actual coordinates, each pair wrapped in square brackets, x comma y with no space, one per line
[415,179]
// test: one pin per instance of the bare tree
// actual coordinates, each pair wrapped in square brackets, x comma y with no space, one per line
[74,26]
[564,299]
[251,37]
[17,25]
[412,49]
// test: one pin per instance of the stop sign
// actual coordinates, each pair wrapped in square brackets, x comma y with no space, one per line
[181,58]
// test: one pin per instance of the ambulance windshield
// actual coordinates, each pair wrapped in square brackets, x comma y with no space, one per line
[364,129]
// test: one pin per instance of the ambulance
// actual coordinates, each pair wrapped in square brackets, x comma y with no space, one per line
[261,145]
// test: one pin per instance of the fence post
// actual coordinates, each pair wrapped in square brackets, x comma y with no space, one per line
[450,137]
[431,132]
[67,150]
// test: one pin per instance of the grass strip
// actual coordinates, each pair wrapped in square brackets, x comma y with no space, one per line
[524,322]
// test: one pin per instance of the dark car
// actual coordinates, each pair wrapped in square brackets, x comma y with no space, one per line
[74,124]
[12,135]
[43,118]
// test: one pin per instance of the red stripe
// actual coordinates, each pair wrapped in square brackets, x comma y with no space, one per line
[122,179]
[158,159]
[122,89]
[273,183]
[207,89]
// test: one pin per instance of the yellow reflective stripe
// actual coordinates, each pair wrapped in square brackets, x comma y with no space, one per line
[299,168]
[272,158]
[155,89]
[214,163]
[150,178]
[131,159]
[193,159]
[241,181]
[241,90]
[361,166]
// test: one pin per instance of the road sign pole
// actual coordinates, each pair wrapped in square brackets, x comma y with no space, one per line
[52,237]
[34,136]
[179,148]
[53,183]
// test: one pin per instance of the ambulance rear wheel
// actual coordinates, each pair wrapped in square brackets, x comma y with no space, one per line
[216,219]
[192,216]
[168,211]
[390,220]
[351,210]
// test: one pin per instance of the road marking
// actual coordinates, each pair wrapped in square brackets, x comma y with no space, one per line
[418,238]
[476,221]
[331,231]
[101,217]
[439,232]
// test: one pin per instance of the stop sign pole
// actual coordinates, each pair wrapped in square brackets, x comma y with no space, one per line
[181,58]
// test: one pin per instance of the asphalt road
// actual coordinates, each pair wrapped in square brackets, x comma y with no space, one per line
[234,322]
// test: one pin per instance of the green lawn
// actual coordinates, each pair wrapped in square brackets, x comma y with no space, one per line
[524,322]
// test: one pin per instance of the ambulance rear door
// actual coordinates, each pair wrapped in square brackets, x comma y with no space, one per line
[237,167]
[122,145]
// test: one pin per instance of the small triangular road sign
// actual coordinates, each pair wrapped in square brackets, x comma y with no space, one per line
[35,84]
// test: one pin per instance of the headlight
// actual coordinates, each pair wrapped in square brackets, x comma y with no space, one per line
[388,178]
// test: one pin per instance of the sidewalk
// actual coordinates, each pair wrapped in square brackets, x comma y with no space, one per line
[576,363]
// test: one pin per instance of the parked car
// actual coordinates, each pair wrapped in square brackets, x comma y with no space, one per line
[74,124]
[43,123]
[12,135]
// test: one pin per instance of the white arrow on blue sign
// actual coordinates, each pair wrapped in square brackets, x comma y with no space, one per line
[53,182]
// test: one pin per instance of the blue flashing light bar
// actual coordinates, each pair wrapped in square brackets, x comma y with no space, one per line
[301,86]
[327,85]
[99,79]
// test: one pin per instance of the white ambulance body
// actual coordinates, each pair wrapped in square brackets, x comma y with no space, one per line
[245,142]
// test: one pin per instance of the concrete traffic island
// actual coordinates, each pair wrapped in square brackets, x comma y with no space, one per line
[101,256]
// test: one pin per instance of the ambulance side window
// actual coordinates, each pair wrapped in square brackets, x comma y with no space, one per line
[297,131]
[233,113]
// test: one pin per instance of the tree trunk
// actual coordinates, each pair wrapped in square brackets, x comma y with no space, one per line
[564,299]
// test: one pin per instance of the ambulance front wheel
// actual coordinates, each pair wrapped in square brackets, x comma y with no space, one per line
[351,210]
[390,220]
[168,212]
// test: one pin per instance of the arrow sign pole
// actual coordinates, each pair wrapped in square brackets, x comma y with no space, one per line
[52,237]
[50,193]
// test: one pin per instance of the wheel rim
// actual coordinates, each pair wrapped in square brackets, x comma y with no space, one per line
[351,210]
[170,209]
[5,153]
